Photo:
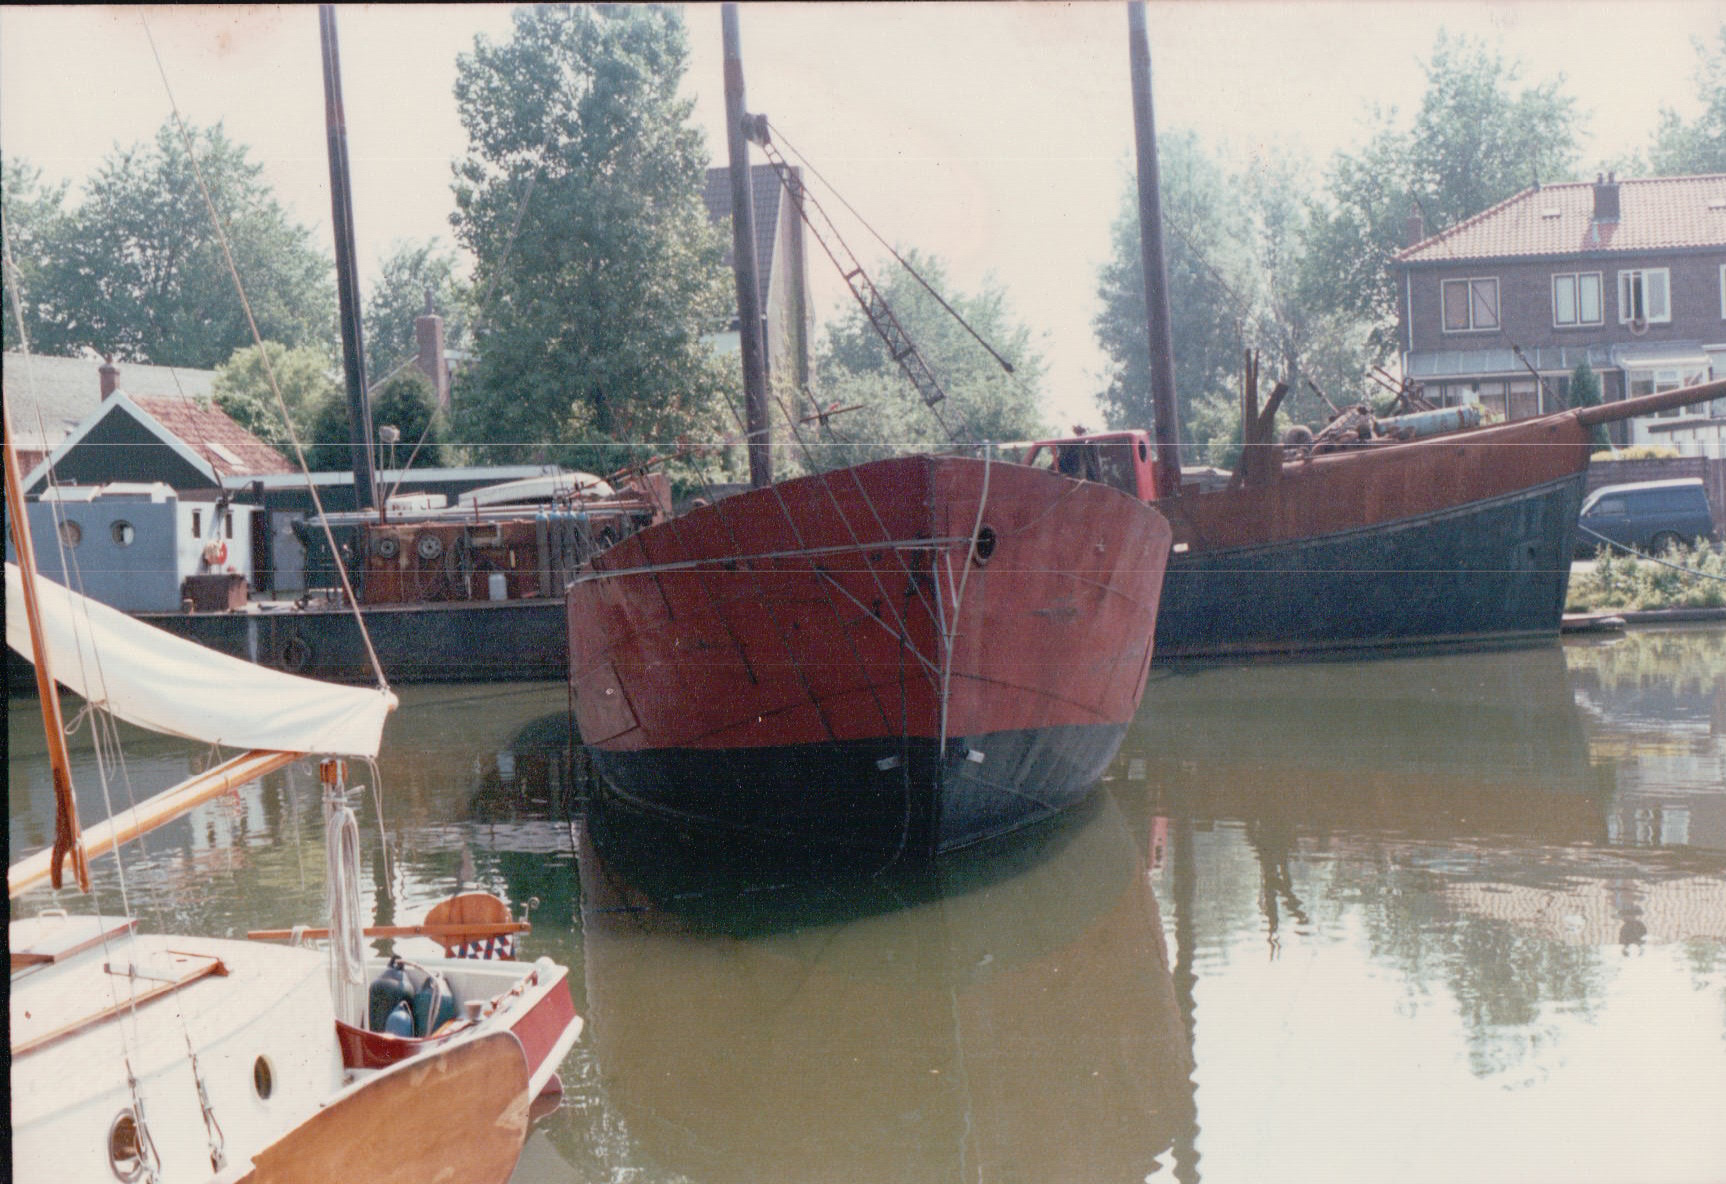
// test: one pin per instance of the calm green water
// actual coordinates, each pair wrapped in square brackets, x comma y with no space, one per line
[1428,919]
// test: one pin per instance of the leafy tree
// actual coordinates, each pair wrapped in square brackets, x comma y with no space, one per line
[983,402]
[411,273]
[598,272]
[1585,392]
[1473,142]
[305,376]
[1698,147]
[140,274]
[34,216]
[1205,236]
[406,402]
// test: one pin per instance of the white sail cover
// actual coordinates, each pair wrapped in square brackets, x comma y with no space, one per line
[180,688]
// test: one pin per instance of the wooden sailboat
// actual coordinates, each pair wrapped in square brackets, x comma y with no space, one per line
[188,1058]
[183,1058]
[905,656]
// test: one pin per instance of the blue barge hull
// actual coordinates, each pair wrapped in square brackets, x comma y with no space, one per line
[1493,571]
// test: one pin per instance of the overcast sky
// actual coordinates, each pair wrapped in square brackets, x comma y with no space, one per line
[997,136]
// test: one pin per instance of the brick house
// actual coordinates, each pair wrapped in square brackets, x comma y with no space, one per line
[1629,275]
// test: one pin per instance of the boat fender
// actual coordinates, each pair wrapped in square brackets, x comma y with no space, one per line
[433,1004]
[400,1021]
[388,989]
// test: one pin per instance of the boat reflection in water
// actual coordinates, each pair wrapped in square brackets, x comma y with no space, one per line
[1008,1014]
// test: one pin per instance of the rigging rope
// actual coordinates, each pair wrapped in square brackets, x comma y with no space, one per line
[1689,571]
[263,357]
[347,936]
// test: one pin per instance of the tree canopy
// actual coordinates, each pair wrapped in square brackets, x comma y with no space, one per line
[854,369]
[407,403]
[33,214]
[1475,140]
[411,273]
[135,271]
[598,274]
[1699,145]
[306,377]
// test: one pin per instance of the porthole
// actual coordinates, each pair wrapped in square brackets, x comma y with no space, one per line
[125,1149]
[263,1078]
[985,545]
[71,534]
[123,533]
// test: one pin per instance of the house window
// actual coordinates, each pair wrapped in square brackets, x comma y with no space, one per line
[1470,306]
[1723,291]
[1645,297]
[1651,382]
[197,524]
[1576,299]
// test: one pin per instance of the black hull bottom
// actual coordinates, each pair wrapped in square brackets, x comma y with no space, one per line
[1492,572]
[479,641]
[887,797]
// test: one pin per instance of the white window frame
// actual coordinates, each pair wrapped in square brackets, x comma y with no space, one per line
[1576,279]
[1639,275]
[1470,282]
[1723,291]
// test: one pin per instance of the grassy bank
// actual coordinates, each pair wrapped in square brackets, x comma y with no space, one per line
[1637,583]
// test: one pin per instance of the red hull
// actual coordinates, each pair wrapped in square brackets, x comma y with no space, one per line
[784,639]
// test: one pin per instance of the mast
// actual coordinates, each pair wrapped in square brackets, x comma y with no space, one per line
[756,421]
[68,840]
[347,281]
[1168,424]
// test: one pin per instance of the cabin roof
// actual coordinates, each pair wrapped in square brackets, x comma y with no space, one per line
[1655,214]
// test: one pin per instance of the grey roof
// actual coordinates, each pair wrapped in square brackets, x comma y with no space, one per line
[767,193]
[49,396]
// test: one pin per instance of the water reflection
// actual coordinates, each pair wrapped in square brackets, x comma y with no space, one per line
[1007,1016]
[1447,917]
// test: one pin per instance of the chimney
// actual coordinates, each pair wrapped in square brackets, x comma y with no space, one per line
[110,375]
[428,336]
[1606,197]
[1413,228]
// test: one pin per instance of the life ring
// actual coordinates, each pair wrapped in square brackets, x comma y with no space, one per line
[215,553]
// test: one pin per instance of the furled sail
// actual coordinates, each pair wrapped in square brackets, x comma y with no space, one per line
[178,687]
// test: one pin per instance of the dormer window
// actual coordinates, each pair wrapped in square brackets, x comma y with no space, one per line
[1471,305]
[1645,297]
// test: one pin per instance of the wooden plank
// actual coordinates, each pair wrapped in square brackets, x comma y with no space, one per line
[460,932]
[87,999]
[43,940]
[458,1112]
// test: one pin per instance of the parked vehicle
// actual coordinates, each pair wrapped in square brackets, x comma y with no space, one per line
[1648,515]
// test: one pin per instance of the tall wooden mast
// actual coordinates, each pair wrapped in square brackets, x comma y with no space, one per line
[757,424]
[68,839]
[1167,423]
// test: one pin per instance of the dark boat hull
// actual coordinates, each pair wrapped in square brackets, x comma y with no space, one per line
[1490,572]
[458,641]
[824,660]
[1457,540]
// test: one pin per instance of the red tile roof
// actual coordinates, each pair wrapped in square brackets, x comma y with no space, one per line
[208,431]
[1655,214]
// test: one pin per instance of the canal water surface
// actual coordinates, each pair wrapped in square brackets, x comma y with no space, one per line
[1432,918]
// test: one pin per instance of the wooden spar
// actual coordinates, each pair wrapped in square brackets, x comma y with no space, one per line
[1166,422]
[465,932]
[67,840]
[146,816]
[347,281]
[1649,404]
[756,414]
